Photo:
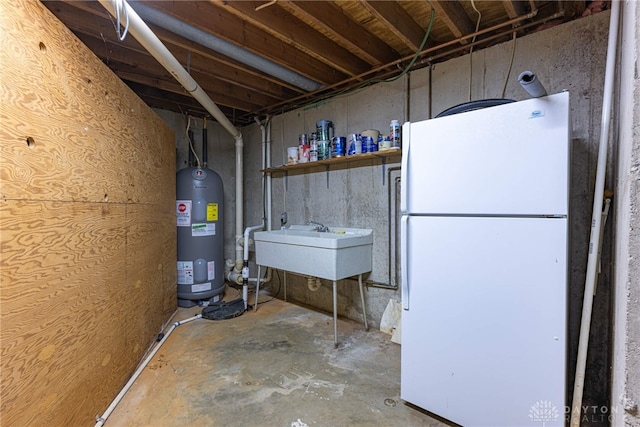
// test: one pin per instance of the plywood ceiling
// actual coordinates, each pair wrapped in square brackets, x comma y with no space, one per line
[338,45]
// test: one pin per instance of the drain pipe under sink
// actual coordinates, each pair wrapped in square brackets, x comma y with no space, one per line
[244,278]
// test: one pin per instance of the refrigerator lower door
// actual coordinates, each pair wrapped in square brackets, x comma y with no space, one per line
[484,337]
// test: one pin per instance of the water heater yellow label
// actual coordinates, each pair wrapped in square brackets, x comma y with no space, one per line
[212,211]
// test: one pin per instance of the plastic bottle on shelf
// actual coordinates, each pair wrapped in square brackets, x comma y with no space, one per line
[394,133]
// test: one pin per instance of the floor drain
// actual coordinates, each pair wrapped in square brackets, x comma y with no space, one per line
[390,402]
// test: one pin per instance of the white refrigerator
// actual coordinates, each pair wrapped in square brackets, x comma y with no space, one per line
[485,203]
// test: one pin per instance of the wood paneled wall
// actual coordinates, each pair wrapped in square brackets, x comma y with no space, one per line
[87,224]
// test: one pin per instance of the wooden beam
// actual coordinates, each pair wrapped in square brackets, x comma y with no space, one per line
[89,19]
[183,104]
[227,26]
[514,8]
[218,93]
[295,33]
[397,21]
[101,38]
[331,20]
[573,9]
[454,16]
[212,72]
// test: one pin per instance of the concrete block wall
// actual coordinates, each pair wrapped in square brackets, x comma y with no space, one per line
[569,56]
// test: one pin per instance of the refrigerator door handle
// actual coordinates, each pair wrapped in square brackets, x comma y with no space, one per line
[404,245]
[404,170]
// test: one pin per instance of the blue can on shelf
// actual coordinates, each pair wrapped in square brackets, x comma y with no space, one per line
[355,144]
[339,146]
[368,144]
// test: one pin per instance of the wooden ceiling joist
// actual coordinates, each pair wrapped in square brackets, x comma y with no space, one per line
[340,44]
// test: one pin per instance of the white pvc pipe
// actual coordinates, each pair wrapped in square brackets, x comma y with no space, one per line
[596,217]
[245,268]
[103,418]
[235,277]
[239,201]
[148,40]
[266,158]
[263,181]
[268,165]
[143,34]
[247,232]
[245,295]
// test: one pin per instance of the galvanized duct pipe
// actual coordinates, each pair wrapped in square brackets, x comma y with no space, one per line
[224,47]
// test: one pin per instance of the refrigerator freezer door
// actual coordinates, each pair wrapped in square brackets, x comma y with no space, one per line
[506,160]
[483,341]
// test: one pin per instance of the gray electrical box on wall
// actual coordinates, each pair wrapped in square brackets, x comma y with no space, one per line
[199,216]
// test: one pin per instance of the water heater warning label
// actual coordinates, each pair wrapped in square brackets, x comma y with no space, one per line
[212,211]
[183,213]
[185,272]
[201,287]
[203,229]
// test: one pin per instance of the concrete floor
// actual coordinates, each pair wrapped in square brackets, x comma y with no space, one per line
[273,367]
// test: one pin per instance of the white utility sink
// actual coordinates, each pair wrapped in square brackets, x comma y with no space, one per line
[336,254]
[332,255]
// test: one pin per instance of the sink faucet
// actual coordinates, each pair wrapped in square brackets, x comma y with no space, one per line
[319,227]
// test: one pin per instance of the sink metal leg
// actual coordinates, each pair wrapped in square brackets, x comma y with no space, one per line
[364,309]
[335,314]
[255,306]
[285,285]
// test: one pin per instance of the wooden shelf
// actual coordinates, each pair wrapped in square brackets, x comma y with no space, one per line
[386,154]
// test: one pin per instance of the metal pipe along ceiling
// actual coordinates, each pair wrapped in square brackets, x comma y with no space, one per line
[219,45]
